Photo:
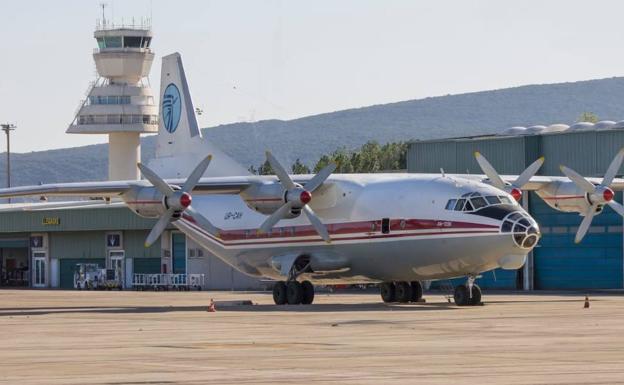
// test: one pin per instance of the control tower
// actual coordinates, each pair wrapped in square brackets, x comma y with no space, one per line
[120,101]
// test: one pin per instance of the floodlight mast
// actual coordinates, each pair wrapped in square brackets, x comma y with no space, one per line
[7,128]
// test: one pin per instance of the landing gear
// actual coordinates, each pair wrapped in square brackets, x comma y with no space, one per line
[388,292]
[402,292]
[279,293]
[468,295]
[293,293]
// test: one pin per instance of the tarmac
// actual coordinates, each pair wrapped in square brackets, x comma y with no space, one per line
[73,337]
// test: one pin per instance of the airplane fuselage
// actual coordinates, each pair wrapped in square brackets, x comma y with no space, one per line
[384,227]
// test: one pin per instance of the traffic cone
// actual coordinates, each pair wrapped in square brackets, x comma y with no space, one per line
[212,308]
[586,306]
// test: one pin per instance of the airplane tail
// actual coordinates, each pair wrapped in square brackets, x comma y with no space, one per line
[180,145]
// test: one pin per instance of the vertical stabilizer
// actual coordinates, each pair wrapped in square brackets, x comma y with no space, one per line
[180,145]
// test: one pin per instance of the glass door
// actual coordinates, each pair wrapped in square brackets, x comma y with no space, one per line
[39,270]
[116,262]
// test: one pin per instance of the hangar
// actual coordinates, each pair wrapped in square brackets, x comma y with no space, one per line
[41,249]
[557,262]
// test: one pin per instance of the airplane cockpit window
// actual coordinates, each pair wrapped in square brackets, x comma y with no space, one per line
[475,201]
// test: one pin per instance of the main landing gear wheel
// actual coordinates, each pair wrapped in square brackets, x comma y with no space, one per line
[308,292]
[403,292]
[417,291]
[279,293]
[462,296]
[388,292]
[294,293]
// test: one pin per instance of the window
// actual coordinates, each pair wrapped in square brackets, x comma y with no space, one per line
[385,225]
[493,200]
[460,205]
[132,41]
[478,202]
[100,41]
[505,200]
[112,41]
[450,205]
[146,42]
[468,206]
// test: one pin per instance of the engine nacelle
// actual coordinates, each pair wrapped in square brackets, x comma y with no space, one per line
[566,197]
[267,198]
[146,202]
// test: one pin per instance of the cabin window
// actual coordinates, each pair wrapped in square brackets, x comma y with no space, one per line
[478,202]
[385,225]
[450,205]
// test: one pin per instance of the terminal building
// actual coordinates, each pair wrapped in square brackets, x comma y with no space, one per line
[557,262]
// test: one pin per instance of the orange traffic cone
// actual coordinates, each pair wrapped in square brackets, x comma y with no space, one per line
[211,307]
[586,306]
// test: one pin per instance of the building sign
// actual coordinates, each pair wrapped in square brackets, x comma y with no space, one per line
[36,241]
[113,240]
[51,221]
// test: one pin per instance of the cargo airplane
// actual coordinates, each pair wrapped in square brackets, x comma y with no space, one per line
[300,230]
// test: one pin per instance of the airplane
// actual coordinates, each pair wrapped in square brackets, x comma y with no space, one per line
[300,230]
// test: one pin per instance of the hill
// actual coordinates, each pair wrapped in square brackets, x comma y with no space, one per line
[309,137]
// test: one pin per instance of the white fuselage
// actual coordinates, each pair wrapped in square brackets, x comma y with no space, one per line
[384,227]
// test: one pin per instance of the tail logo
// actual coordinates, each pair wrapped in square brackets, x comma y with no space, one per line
[171,108]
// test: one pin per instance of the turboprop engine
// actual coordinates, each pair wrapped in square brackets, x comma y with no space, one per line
[287,199]
[582,196]
[166,202]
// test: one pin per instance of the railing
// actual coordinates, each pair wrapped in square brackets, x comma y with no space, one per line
[142,23]
[168,281]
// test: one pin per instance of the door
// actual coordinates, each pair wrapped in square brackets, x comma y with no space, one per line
[39,269]
[116,262]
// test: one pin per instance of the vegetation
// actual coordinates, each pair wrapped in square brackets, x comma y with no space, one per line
[371,157]
[588,117]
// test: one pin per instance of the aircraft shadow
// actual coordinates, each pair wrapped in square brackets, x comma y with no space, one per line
[316,308]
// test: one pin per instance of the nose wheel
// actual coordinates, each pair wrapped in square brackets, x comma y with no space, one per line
[468,294]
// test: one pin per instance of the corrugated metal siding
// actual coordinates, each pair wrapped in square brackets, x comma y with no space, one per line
[429,157]
[134,245]
[595,263]
[506,154]
[114,218]
[576,150]
[78,244]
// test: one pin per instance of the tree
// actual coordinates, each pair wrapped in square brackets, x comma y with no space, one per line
[252,170]
[588,117]
[324,161]
[300,168]
[266,169]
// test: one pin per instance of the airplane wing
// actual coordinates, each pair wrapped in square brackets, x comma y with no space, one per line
[539,182]
[113,189]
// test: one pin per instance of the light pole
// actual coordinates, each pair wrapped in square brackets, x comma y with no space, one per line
[7,128]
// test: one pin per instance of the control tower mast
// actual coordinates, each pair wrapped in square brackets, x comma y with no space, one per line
[120,102]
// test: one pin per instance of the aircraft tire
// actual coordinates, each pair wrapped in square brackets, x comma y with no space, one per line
[403,292]
[417,291]
[461,296]
[308,292]
[388,292]
[294,293]
[476,296]
[279,293]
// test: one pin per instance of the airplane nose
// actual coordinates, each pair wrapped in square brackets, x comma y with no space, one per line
[523,229]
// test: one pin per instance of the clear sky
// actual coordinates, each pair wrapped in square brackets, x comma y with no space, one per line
[254,60]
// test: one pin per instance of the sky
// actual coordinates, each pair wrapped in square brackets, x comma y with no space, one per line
[284,59]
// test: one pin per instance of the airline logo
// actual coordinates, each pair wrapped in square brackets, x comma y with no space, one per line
[171,108]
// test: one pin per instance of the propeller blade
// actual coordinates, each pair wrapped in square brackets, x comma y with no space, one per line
[578,180]
[618,208]
[197,173]
[159,227]
[582,230]
[528,173]
[281,173]
[489,171]
[279,214]
[613,169]
[155,180]
[320,228]
[202,221]
[320,177]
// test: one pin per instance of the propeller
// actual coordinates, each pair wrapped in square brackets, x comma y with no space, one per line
[596,195]
[297,198]
[515,189]
[176,200]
